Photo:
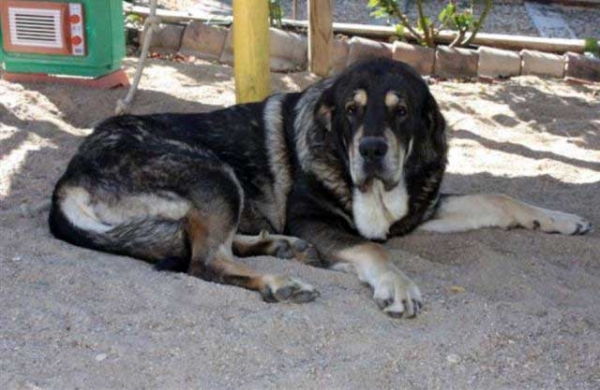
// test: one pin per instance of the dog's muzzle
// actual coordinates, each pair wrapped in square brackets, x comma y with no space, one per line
[373,153]
[374,161]
[373,149]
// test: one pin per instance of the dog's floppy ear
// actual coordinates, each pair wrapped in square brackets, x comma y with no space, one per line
[324,109]
[436,125]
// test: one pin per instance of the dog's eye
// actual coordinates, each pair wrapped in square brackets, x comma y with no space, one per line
[351,109]
[401,110]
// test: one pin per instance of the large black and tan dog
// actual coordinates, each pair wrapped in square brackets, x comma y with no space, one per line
[318,176]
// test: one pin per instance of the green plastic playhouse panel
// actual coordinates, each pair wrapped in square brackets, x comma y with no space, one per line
[104,38]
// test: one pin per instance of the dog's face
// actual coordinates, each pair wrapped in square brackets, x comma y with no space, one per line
[378,113]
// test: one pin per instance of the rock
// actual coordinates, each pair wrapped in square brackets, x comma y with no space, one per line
[32,386]
[419,57]
[165,40]
[496,63]
[100,357]
[456,62]
[289,51]
[542,64]
[362,49]
[227,52]
[203,41]
[582,67]
[453,358]
[339,55]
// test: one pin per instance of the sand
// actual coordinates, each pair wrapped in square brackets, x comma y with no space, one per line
[504,309]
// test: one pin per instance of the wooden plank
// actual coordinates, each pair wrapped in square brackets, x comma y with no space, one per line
[320,36]
[169,16]
[295,9]
[570,3]
[509,42]
[251,50]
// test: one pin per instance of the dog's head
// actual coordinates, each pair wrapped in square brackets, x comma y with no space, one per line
[378,115]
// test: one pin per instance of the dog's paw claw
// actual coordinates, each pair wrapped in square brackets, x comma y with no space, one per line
[562,223]
[283,249]
[397,295]
[283,289]
[297,249]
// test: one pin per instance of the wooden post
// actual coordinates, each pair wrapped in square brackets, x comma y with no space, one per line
[251,50]
[320,36]
[294,9]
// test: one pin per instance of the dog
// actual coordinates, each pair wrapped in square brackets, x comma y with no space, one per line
[322,176]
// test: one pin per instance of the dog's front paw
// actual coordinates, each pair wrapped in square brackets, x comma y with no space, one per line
[558,222]
[397,295]
[284,289]
[297,249]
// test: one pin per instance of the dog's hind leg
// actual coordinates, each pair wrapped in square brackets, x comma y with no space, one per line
[184,218]
[210,238]
[283,247]
[458,213]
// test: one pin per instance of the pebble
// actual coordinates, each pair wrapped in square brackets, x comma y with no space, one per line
[453,358]
[100,357]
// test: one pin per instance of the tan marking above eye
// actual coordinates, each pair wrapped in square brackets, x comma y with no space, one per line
[360,97]
[391,99]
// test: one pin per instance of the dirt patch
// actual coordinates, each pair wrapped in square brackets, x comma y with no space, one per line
[504,309]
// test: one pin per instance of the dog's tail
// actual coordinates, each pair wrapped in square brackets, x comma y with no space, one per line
[152,239]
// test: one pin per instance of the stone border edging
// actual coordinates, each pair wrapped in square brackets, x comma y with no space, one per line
[289,53]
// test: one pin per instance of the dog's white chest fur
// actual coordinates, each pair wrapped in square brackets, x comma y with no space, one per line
[377,209]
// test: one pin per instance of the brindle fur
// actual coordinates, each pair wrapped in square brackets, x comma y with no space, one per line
[192,191]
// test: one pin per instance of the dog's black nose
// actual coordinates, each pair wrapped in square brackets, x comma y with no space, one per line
[372,148]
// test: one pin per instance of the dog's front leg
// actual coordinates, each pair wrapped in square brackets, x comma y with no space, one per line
[393,291]
[458,213]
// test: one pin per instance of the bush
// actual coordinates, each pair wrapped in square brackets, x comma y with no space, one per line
[424,30]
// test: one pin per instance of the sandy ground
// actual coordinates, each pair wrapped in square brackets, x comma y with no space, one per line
[504,309]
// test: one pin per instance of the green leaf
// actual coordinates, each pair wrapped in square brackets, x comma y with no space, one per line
[380,13]
[591,45]
[400,30]
[427,22]
[373,3]
[446,12]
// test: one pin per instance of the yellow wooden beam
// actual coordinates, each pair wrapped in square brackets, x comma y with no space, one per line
[251,50]
[320,36]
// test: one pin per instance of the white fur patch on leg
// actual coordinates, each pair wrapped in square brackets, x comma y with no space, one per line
[552,221]
[469,212]
[393,291]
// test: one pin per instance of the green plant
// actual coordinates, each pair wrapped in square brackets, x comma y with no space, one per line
[591,46]
[424,30]
[134,21]
[275,13]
